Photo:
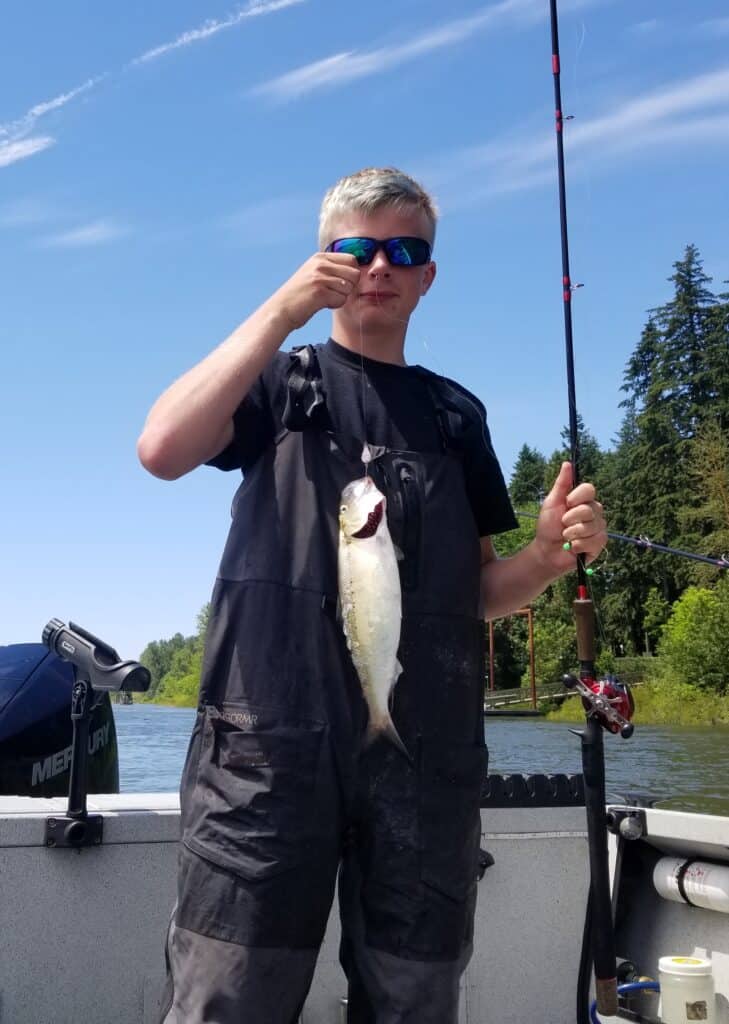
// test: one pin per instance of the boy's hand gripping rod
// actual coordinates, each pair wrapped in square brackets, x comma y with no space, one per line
[604,707]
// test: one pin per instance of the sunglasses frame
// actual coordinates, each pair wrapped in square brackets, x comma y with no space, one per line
[382,243]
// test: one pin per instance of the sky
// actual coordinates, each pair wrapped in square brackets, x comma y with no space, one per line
[161,169]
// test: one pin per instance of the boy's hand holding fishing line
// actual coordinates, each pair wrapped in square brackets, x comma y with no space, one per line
[324,281]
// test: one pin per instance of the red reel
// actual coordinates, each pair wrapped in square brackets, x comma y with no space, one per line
[618,698]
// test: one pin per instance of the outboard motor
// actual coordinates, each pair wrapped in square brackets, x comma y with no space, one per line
[36,729]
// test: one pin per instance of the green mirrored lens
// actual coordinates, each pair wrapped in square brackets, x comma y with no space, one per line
[361,248]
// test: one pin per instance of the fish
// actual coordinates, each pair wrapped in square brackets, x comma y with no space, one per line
[370,601]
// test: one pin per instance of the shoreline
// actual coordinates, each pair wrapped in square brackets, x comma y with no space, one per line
[656,703]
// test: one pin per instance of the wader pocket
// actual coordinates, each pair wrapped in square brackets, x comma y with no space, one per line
[450,820]
[254,810]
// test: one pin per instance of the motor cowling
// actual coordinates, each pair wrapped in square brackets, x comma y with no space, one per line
[36,730]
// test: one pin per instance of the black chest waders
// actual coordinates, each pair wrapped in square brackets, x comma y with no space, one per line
[277,788]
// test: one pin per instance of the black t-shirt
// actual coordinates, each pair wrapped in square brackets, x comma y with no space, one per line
[383,404]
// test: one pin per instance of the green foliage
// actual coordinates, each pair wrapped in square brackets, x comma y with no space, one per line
[708,471]
[158,655]
[695,641]
[655,614]
[175,665]
[634,670]
[589,454]
[180,685]
[555,650]
[527,481]
[511,652]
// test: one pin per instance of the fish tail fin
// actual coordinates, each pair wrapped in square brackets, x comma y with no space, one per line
[386,727]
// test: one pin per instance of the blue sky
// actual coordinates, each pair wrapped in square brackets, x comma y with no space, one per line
[161,167]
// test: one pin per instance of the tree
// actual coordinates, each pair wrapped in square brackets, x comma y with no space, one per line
[656,613]
[695,641]
[686,324]
[589,456]
[708,471]
[158,656]
[527,481]
[175,664]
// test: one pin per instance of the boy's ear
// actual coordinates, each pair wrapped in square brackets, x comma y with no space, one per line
[428,278]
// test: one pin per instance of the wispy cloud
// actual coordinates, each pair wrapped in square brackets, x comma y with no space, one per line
[212,27]
[656,119]
[98,232]
[347,66]
[15,143]
[714,27]
[11,151]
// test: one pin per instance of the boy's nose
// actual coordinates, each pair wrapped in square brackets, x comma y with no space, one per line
[380,264]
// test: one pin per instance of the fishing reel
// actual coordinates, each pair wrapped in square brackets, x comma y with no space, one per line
[608,700]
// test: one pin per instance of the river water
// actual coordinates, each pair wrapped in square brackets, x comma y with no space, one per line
[685,768]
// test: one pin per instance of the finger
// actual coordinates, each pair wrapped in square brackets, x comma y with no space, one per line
[341,281]
[591,512]
[341,264]
[561,487]
[334,298]
[338,286]
[582,531]
[340,257]
[589,547]
[583,494]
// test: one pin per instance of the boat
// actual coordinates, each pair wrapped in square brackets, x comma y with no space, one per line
[86,900]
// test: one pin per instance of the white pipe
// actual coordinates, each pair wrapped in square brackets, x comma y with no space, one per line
[704,884]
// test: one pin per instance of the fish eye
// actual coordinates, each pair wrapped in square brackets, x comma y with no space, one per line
[342,508]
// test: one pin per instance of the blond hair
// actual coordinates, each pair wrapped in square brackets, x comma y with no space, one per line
[372,189]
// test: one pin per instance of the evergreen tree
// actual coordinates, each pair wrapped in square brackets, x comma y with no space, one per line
[527,481]
[589,455]
[686,324]
[708,472]
[717,361]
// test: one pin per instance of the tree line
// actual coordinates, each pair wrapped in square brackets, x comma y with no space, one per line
[665,477]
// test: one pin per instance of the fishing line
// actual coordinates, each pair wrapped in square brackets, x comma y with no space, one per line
[431,355]
[366,453]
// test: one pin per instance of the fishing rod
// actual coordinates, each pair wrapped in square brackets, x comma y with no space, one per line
[605,709]
[646,544]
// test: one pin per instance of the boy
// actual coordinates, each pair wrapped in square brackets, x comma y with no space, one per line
[279,792]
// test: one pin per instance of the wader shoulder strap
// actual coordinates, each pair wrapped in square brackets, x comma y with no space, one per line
[461,416]
[305,399]
[449,413]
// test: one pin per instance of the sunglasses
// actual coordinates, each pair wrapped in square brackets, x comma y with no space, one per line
[401,252]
